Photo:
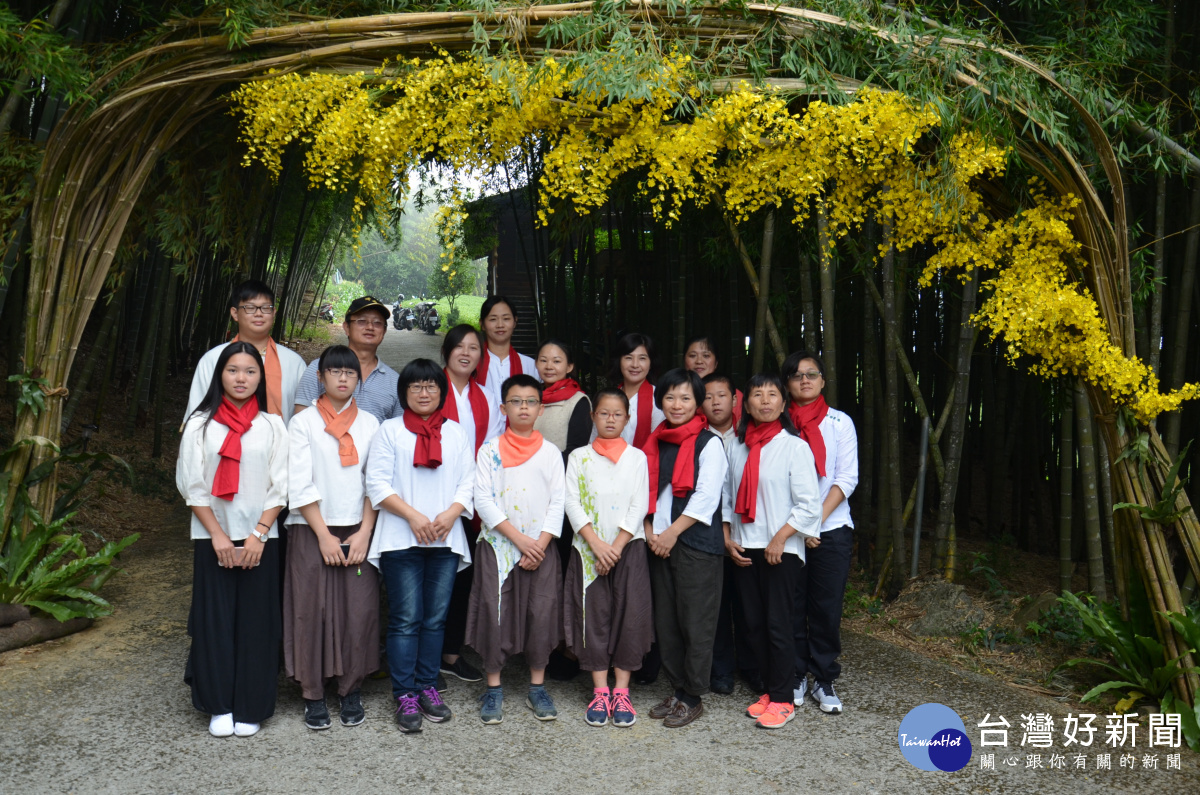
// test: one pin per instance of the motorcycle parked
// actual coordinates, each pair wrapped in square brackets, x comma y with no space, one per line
[326,312]
[427,317]
[399,314]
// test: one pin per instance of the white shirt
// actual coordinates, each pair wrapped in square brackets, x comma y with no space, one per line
[315,471]
[610,497]
[390,470]
[499,370]
[291,365]
[530,495]
[787,494]
[262,474]
[841,465]
[703,503]
[466,416]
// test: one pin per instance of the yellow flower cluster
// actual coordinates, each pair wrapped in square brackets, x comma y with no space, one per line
[875,156]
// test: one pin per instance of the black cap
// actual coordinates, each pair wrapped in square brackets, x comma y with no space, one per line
[367,302]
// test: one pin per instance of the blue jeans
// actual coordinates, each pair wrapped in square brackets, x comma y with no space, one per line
[419,582]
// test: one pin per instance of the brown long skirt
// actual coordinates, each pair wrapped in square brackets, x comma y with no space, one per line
[330,616]
[619,625]
[530,615]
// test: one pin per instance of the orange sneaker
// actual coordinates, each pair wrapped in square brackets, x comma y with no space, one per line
[756,709]
[776,715]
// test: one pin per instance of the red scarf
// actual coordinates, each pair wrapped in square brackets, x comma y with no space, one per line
[807,420]
[645,411]
[747,493]
[485,363]
[683,476]
[479,408]
[338,426]
[225,482]
[565,389]
[429,438]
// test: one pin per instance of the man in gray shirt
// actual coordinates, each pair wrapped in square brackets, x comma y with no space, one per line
[366,323]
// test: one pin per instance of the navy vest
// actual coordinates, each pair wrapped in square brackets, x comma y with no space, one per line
[706,537]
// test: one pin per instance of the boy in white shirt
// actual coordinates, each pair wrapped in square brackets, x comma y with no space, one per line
[515,598]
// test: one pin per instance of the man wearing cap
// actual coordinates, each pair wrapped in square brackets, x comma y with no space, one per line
[366,323]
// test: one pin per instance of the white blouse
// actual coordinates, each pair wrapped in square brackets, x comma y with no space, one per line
[499,371]
[703,503]
[841,465]
[610,497]
[315,471]
[787,494]
[466,416]
[262,474]
[291,365]
[390,470]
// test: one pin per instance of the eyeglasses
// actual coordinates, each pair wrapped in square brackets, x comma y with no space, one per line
[610,415]
[363,322]
[417,389]
[339,373]
[812,375]
[251,309]
[516,403]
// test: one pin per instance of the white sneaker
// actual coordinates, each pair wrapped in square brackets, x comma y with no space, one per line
[823,694]
[799,692]
[246,729]
[221,725]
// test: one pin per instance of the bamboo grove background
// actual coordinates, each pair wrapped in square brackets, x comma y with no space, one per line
[1020,462]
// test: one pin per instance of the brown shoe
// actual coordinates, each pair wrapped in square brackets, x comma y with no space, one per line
[682,715]
[663,708]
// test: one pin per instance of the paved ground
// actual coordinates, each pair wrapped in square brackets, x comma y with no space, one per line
[400,347]
[106,711]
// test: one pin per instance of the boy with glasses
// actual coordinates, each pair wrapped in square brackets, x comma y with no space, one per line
[252,307]
[365,324]
[516,595]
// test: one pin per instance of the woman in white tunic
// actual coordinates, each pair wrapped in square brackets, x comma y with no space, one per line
[770,504]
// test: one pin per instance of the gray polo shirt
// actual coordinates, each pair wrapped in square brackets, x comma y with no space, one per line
[376,393]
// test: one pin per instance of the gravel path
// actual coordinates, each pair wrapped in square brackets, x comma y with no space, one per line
[106,711]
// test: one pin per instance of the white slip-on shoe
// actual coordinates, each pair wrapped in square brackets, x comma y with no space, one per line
[221,725]
[826,698]
[246,729]
[800,691]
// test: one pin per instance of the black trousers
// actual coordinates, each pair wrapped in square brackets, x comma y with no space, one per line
[820,589]
[768,596]
[731,650]
[460,597]
[236,631]
[687,598]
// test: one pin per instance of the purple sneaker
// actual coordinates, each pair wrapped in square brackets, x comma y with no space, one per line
[408,713]
[432,707]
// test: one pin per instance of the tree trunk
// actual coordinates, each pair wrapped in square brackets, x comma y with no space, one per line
[1066,494]
[160,363]
[107,329]
[892,420]
[764,292]
[808,312]
[828,338]
[958,419]
[1091,493]
[1183,321]
[1154,348]
[867,480]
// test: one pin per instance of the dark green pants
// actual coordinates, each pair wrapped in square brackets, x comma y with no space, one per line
[687,601]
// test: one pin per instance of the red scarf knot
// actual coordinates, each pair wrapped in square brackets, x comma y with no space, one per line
[757,436]
[683,476]
[237,420]
[807,420]
[429,438]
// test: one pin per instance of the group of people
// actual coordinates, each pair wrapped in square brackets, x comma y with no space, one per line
[671,523]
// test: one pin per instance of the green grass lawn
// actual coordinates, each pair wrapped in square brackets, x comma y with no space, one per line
[468,307]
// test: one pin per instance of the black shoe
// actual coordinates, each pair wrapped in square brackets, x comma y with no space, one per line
[432,706]
[722,685]
[352,709]
[463,670]
[316,714]
[561,668]
[408,714]
[441,685]
[754,681]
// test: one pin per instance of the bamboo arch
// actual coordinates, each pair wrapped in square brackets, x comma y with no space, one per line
[99,159]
